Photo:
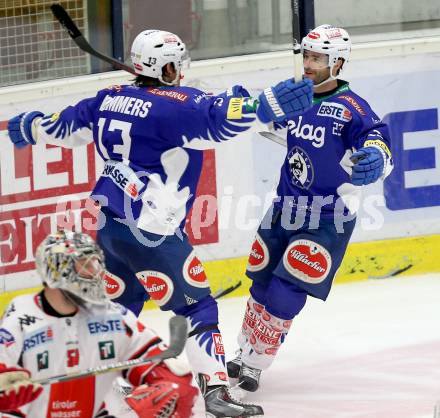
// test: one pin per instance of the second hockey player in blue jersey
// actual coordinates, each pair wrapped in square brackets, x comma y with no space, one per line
[333,148]
[149,183]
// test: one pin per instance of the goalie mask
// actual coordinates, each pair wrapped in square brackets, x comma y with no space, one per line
[72,262]
[153,49]
[334,42]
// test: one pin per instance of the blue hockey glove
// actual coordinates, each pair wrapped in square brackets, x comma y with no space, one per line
[368,165]
[20,129]
[238,91]
[284,101]
[235,91]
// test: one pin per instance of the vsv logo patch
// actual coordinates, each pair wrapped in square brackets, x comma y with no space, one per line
[301,168]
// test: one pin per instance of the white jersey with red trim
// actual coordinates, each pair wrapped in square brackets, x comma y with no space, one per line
[49,345]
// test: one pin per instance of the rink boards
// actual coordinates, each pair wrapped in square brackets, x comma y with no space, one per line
[399,222]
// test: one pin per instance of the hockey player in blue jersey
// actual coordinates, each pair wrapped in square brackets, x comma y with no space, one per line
[334,148]
[149,182]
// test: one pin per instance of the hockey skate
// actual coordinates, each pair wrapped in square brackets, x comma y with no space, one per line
[219,403]
[248,378]
[234,365]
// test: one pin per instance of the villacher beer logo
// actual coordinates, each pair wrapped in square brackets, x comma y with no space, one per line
[307,261]
[114,285]
[259,255]
[194,273]
[158,285]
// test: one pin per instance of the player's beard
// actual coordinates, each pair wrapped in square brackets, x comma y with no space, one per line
[318,76]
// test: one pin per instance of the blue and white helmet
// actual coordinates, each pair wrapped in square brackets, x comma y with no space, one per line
[153,49]
[330,40]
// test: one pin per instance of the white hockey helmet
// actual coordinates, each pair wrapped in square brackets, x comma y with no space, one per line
[329,40]
[153,49]
[72,262]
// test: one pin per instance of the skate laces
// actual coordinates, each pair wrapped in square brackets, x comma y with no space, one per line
[250,372]
[235,399]
[237,359]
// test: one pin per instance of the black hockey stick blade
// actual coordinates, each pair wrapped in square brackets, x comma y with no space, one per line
[66,21]
[178,335]
[63,17]
[223,292]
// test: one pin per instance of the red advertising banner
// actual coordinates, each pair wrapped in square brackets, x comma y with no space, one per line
[45,187]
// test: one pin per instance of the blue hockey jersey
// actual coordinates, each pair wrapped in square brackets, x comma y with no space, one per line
[149,178]
[315,176]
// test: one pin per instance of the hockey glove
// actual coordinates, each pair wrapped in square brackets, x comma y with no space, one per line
[158,400]
[368,165]
[237,91]
[20,129]
[284,101]
[16,389]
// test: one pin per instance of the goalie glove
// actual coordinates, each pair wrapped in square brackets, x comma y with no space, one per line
[16,388]
[284,101]
[20,129]
[158,400]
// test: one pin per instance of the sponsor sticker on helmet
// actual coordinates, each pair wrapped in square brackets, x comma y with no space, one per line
[307,261]
[194,273]
[334,33]
[114,285]
[259,255]
[158,285]
[314,35]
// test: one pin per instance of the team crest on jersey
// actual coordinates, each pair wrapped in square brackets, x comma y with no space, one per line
[307,261]
[158,285]
[259,255]
[301,168]
[194,273]
[114,285]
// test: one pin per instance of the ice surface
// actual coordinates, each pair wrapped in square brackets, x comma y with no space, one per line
[371,351]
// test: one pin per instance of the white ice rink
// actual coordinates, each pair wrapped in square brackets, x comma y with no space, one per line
[371,351]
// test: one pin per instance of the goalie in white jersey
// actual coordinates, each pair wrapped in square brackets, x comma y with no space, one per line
[71,326]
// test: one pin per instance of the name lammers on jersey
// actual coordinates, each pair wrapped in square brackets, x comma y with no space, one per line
[127,105]
[307,131]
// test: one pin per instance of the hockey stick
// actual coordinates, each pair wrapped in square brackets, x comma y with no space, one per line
[178,335]
[223,292]
[66,21]
[274,138]
[296,32]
